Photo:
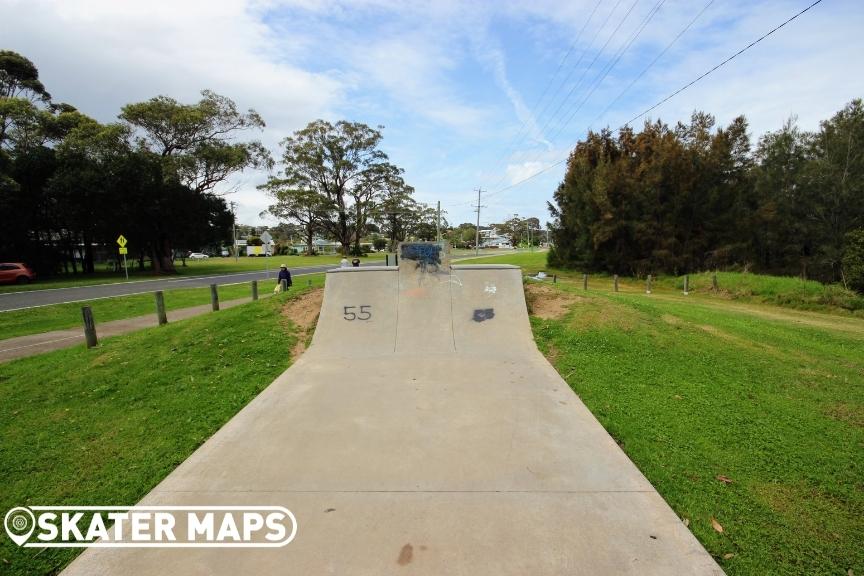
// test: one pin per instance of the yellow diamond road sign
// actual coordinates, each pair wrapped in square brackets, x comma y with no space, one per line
[124,250]
[121,240]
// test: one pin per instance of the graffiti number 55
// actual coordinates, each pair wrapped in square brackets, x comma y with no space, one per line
[351,312]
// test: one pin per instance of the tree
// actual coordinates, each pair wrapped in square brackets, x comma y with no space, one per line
[342,166]
[834,178]
[394,212]
[195,144]
[853,260]
[303,207]
[19,84]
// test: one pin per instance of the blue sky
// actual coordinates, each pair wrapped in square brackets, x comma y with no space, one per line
[457,85]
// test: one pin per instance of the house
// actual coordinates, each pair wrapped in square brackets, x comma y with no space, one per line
[490,238]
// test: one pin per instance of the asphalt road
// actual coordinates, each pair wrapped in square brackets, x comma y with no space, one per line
[33,298]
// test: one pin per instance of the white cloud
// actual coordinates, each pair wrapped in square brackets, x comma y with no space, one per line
[449,78]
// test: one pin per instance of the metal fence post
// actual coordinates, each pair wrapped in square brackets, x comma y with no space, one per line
[160,308]
[89,326]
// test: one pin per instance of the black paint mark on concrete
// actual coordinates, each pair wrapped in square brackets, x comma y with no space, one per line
[483,314]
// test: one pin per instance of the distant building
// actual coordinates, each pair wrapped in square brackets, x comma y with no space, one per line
[490,238]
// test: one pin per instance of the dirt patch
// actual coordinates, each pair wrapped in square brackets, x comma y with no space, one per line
[849,413]
[548,303]
[673,320]
[303,312]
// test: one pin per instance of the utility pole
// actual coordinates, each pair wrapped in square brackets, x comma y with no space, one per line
[234,230]
[438,223]
[477,233]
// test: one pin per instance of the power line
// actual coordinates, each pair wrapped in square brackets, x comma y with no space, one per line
[533,111]
[560,66]
[757,41]
[611,65]
[672,95]
[654,61]
[608,68]
[591,65]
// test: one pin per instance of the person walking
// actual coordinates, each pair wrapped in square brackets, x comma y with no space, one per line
[284,274]
[344,263]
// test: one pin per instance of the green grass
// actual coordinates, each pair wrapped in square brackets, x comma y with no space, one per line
[693,390]
[785,291]
[207,267]
[104,426]
[62,316]
[531,262]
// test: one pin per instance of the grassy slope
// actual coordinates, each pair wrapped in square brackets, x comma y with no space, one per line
[193,268]
[788,292]
[61,316]
[104,426]
[692,391]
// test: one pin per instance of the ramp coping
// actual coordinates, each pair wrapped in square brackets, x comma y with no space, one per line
[484,267]
[365,269]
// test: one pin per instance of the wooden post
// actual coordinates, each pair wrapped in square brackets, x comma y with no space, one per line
[714,282]
[254,289]
[584,281]
[214,297]
[615,282]
[309,282]
[160,308]
[686,284]
[554,278]
[648,285]
[89,326]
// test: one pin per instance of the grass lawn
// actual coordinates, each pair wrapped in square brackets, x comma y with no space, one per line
[207,267]
[752,416]
[104,426]
[531,262]
[61,316]
[785,291]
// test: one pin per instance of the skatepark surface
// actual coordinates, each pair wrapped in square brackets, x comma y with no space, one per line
[422,433]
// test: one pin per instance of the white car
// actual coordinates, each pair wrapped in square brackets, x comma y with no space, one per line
[198,256]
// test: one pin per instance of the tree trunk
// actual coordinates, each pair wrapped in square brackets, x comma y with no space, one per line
[161,254]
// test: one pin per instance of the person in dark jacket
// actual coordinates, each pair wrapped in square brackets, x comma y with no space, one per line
[284,274]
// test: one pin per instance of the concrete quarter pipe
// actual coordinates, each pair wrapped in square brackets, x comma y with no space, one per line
[423,433]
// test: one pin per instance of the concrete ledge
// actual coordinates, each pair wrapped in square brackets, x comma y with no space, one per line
[365,269]
[484,267]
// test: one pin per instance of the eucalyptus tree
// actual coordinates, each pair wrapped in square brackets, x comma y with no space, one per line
[196,145]
[341,165]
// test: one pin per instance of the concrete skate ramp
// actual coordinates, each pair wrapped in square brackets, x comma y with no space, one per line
[358,315]
[489,310]
[468,456]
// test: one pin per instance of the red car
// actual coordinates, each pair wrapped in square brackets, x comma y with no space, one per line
[16,273]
